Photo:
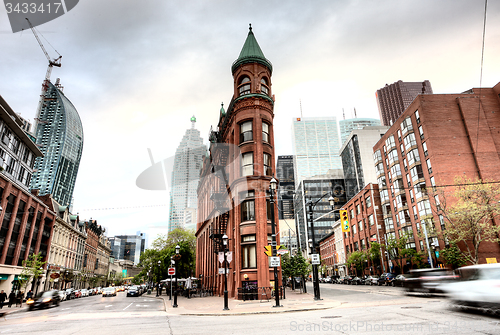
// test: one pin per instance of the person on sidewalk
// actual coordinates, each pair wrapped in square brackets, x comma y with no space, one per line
[29,295]
[12,298]
[3,297]
[19,298]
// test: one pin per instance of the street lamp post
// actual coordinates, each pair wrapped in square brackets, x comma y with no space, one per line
[272,188]
[311,205]
[159,276]
[224,241]
[177,249]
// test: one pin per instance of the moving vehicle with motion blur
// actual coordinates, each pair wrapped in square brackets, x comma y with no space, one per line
[476,286]
[428,280]
[44,300]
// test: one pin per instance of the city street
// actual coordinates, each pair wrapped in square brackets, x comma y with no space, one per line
[361,310]
[91,315]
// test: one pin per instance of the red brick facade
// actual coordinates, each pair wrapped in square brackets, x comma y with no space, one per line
[241,182]
[438,137]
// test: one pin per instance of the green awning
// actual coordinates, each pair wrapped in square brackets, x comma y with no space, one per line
[19,277]
[4,277]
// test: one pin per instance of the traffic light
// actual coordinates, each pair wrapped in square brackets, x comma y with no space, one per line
[344,221]
[269,250]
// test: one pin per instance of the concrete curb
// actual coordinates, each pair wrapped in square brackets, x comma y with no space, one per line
[255,312]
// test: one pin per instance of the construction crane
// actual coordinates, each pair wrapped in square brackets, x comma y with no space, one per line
[52,62]
[45,85]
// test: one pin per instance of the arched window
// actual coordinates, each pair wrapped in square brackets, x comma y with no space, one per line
[244,86]
[264,86]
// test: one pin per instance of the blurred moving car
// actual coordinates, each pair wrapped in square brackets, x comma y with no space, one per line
[109,291]
[476,286]
[399,281]
[428,280]
[44,300]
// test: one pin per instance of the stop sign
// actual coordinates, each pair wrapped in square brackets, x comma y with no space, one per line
[171,271]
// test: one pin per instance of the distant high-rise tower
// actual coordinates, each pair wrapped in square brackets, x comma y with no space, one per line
[284,173]
[59,135]
[392,100]
[185,175]
[346,126]
[316,146]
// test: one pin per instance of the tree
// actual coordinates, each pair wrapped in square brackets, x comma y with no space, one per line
[162,251]
[396,248]
[294,266]
[32,269]
[453,256]
[469,220]
[356,259]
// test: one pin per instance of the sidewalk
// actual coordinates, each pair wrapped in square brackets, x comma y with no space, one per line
[13,309]
[294,302]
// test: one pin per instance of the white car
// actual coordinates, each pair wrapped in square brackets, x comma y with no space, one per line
[85,292]
[477,286]
[109,291]
[62,294]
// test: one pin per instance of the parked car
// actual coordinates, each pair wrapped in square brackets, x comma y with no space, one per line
[109,291]
[371,280]
[133,291]
[357,281]
[84,292]
[62,295]
[428,280]
[78,294]
[334,279]
[385,279]
[399,281]
[347,280]
[44,300]
[476,286]
[70,294]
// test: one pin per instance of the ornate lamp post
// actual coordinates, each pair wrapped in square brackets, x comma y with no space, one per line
[224,241]
[177,249]
[272,188]
[311,205]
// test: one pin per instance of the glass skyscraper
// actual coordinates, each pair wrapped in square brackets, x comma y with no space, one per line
[346,126]
[185,176]
[316,145]
[128,247]
[59,135]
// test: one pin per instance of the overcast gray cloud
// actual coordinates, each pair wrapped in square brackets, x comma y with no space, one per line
[137,71]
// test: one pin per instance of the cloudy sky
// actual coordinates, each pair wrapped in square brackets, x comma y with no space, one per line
[138,70]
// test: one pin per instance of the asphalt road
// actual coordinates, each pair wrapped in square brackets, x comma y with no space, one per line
[92,315]
[362,310]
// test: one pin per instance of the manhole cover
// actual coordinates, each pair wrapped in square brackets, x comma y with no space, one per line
[331,317]
[408,307]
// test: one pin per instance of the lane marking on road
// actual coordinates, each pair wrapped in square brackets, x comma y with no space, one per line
[128,306]
[64,309]
[108,306]
[142,305]
[6,330]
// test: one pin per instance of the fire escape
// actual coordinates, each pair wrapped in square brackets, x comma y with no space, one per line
[219,153]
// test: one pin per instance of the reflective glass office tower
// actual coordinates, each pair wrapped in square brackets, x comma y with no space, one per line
[128,247]
[346,126]
[316,145]
[59,135]
[185,176]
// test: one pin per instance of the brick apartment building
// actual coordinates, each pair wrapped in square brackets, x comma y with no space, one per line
[438,137]
[364,217]
[26,221]
[232,193]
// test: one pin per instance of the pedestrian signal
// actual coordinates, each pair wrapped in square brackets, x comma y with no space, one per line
[269,250]
[344,221]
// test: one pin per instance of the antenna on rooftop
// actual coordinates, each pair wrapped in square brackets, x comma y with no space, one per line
[300,103]
[355,116]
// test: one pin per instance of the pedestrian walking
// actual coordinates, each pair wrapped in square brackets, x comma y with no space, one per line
[3,297]
[29,295]
[19,298]
[12,298]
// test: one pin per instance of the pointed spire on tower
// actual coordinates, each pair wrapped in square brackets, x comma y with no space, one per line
[222,111]
[251,53]
[193,121]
